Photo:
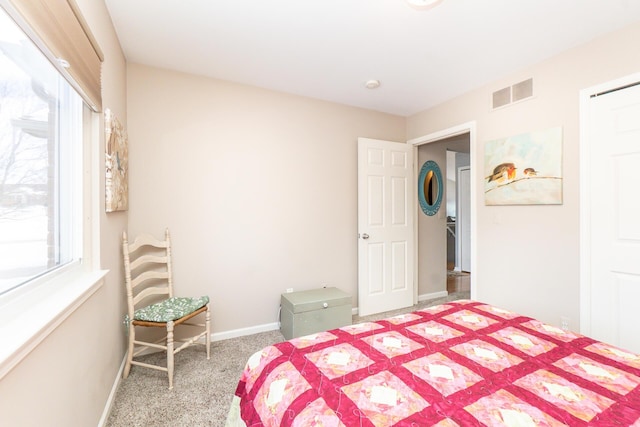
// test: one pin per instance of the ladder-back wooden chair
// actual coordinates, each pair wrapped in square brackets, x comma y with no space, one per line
[151,302]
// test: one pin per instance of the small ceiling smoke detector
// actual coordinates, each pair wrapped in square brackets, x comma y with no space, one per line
[423,4]
[372,84]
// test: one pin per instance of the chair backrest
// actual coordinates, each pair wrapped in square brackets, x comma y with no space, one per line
[147,269]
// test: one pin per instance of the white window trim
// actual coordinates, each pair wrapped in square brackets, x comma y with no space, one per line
[28,318]
[33,311]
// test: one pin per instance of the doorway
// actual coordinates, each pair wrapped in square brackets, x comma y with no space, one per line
[435,235]
[458,193]
[463,219]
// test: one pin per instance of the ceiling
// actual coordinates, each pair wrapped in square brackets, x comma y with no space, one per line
[328,49]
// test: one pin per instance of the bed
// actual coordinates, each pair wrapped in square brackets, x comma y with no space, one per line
[463,363]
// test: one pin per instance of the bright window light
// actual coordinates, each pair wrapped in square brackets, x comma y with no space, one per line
[40,162]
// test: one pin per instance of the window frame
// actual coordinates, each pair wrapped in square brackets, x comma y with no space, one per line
[30,312]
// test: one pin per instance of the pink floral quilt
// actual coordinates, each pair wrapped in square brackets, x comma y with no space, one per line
[463,363]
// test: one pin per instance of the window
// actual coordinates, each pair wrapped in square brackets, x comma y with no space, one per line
[40,162]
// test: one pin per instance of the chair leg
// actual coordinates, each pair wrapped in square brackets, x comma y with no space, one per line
[208,329]
[132,337]
[170,353]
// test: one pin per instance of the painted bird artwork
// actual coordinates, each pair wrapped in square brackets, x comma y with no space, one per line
[524,169]
[503,172]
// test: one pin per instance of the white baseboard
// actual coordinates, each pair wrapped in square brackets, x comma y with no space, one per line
[116,383]
[433,295]
[266,327]
[235,333]
[421,298]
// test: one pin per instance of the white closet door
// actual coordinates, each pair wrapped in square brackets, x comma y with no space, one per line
[612,182]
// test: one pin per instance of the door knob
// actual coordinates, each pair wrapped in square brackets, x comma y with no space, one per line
[365,236]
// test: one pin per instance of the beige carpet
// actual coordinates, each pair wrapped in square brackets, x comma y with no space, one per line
[202,388]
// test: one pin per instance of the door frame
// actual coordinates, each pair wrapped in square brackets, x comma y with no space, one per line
[459,196]
[470,128]
[585,187]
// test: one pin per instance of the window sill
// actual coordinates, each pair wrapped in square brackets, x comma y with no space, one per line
[28,318]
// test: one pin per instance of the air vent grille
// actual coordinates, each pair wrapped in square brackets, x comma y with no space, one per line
[522,90]
[502,97]
[511,94]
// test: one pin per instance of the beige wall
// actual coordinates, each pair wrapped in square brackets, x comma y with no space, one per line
[259,190]
[66,380]
[528,256]
[257,187]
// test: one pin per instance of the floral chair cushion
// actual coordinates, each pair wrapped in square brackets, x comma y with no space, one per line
[170,309]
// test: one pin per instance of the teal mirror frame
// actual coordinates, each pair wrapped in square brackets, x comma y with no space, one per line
[429,166]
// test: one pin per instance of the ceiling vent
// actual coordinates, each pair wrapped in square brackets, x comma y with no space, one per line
[510,94]
[502,97]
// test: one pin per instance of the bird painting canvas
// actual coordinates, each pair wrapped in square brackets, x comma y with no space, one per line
[524,169]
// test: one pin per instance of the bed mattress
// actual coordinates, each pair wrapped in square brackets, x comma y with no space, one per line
[463,363]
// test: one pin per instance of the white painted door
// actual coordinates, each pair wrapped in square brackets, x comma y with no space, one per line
[613,184]
[463,218]
[386,200]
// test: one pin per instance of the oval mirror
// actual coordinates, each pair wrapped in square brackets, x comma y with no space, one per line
[430,187]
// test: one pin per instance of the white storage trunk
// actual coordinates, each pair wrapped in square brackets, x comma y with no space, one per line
[315,310]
